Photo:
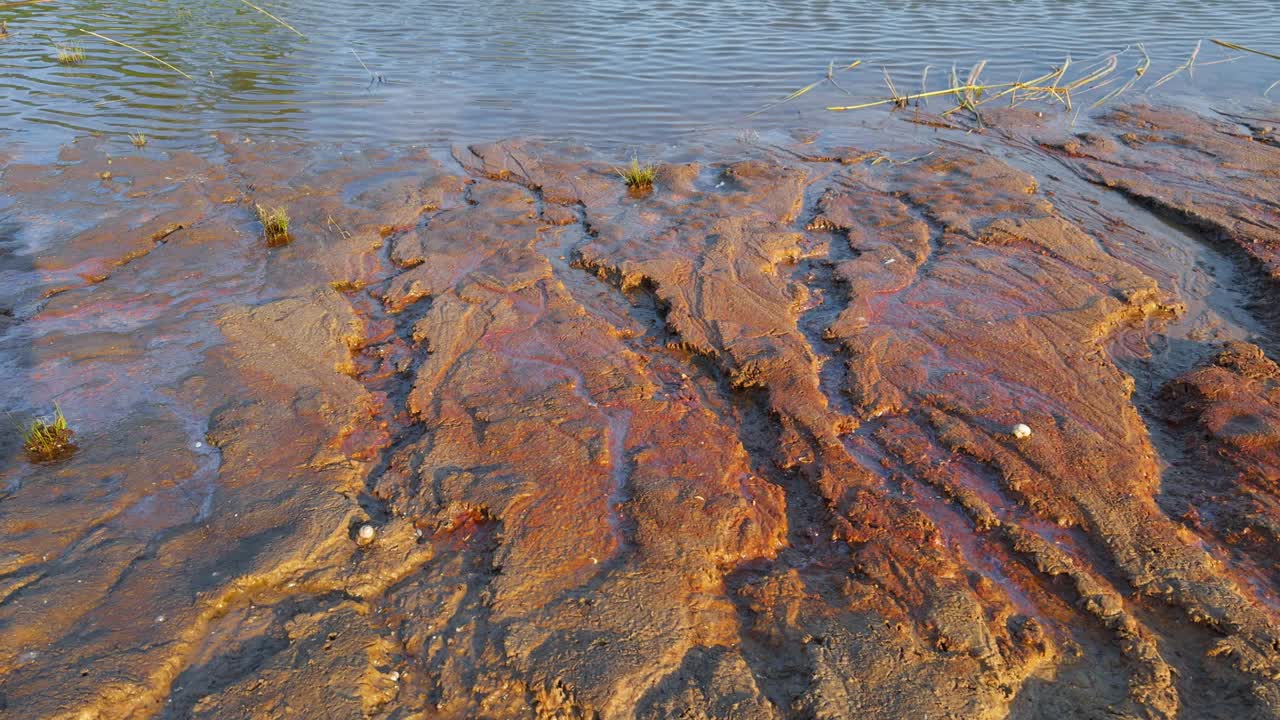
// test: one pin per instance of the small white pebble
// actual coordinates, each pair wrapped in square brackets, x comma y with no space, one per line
[366,533]
[395,676]
[1021,431]
[160,618]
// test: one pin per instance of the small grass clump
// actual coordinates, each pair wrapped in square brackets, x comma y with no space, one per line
[275,225]
[639,178]
[70,54]
[138,139]
[48,439]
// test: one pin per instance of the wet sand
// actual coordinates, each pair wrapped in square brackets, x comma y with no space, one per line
[741,447]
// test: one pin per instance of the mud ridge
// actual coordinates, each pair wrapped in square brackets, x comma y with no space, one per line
[749,444]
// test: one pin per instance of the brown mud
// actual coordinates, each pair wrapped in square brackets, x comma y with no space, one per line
[737,448]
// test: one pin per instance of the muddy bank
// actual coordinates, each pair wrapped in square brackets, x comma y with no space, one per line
[742,446]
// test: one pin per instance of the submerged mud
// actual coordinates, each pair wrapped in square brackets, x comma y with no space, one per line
[740,447]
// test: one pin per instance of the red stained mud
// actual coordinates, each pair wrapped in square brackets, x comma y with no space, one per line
[741,447]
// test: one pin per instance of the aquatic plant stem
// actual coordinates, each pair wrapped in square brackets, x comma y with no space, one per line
[917,96]
[1189,66]
[139,51]
[273,17]
[830,76]
[1234,46]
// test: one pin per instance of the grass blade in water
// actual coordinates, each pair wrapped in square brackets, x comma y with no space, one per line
[140,52]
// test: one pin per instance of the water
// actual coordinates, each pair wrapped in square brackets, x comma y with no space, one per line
[598,71]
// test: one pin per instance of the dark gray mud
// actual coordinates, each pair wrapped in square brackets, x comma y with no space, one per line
[739,447]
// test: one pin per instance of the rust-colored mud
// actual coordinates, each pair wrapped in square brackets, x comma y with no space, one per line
[742,447]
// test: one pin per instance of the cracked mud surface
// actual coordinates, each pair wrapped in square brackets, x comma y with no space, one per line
[738,448]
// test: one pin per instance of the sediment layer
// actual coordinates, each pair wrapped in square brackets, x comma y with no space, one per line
[739,447]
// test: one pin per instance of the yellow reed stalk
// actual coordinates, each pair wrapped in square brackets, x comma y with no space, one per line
[830,76]
[893,89]
[273,17]
[139,51]
[1138,72]
[1189,66]
[1242,48]
[919,96]
[1109,66]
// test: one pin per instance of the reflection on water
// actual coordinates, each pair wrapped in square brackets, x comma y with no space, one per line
[601,71]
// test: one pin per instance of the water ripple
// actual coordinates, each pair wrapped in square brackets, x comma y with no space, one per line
[601,71]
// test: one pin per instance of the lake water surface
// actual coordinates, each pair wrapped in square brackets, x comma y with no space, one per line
[598,71]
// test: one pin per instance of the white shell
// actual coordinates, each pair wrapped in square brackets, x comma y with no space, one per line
[1021,430]
[366,533]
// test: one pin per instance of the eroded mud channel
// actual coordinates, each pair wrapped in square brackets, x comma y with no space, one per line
[740,447]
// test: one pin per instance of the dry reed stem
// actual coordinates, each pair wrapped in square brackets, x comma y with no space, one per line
[970,94]
[830,76]
[1242,48]
[273,17]
[919,96]
[1054,85]
[1189,66]
[1138,73]
[139,51]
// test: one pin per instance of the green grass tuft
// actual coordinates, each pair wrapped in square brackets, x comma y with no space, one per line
[70,54]
[638,177]
[45,439]
[275,224]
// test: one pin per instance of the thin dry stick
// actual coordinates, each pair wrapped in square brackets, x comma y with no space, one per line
[330,222]
[1062,71]
[1103,69]
[920,96]
[1053,88]
[1233,58]
[831,77]
[1188,65]
[971,103]
[1013,89]
[1013,92]
[893,90]
[1234,46]
[971,93]
[1099,86]
[1108,66]
[807,88]
[1137,75]
[140,52]
[955,83]
[372,75]
[273,17]
[973,96]
[789,98]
